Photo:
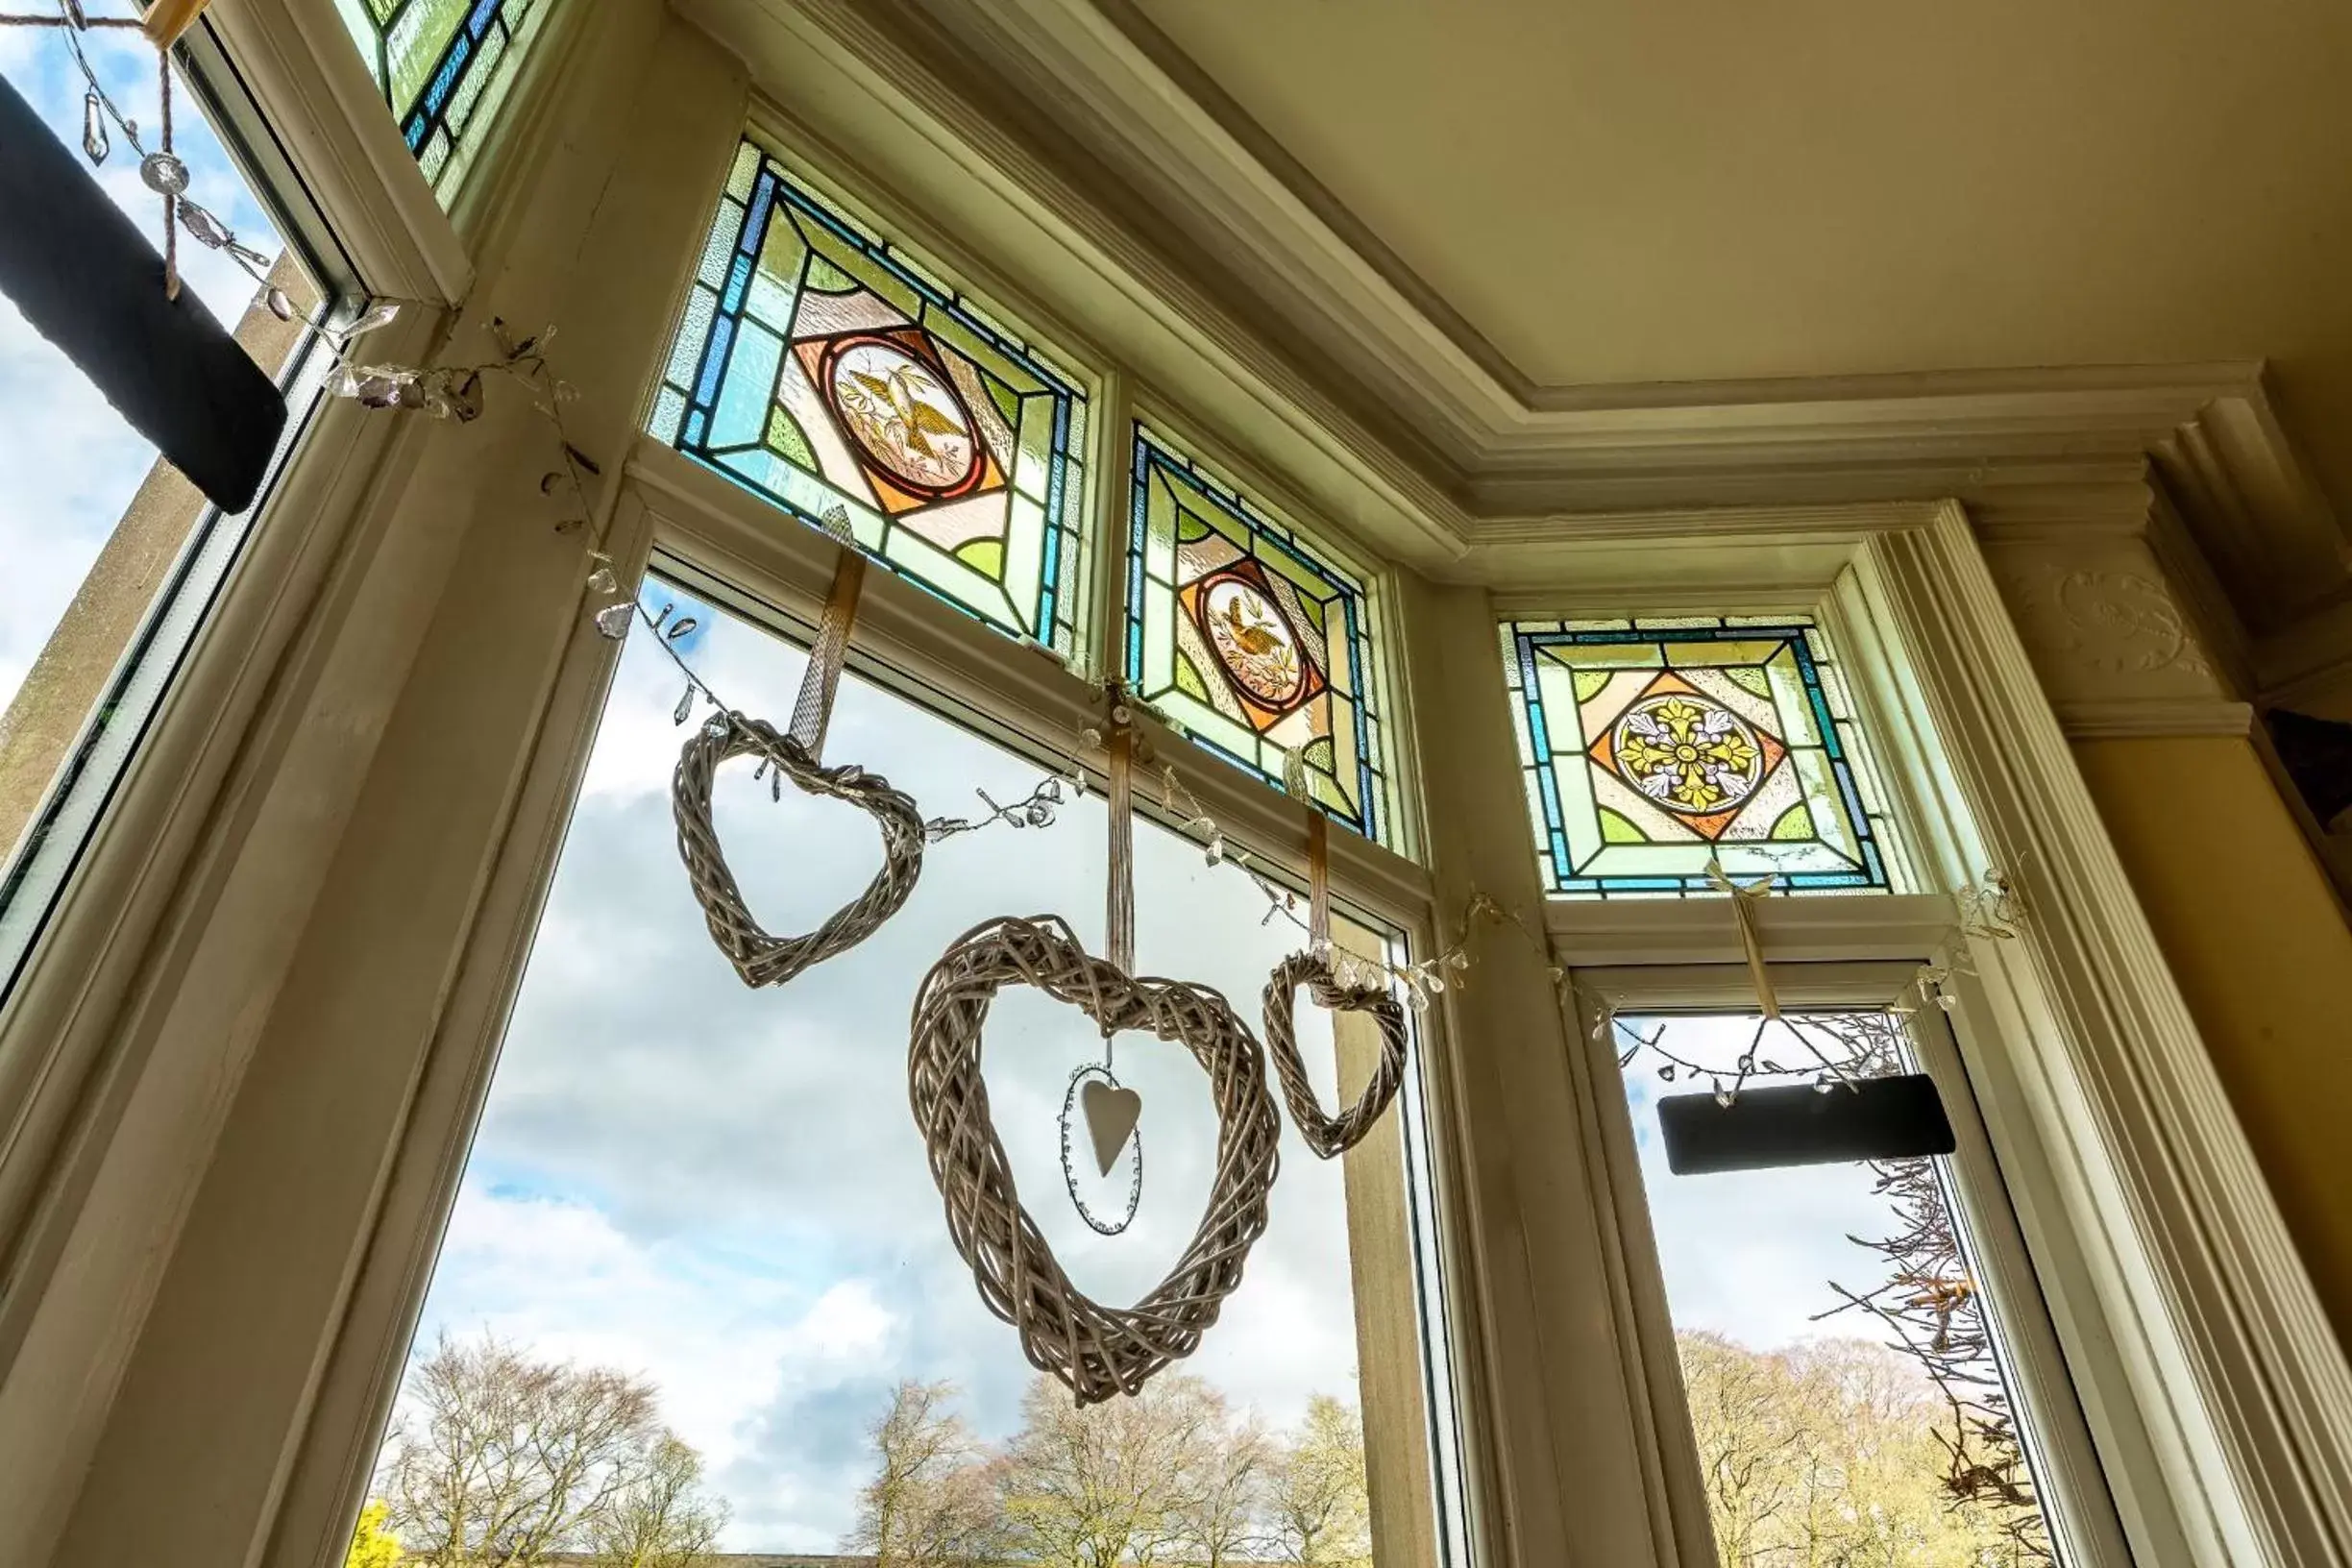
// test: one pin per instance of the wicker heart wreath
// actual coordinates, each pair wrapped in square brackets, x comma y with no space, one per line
[1098,1351]
[762,959]
[1330,1135]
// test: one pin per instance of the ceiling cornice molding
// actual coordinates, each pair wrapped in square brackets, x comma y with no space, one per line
[893,50]
[2142,718]
[1184,158]
[1099,122]
[1171,150]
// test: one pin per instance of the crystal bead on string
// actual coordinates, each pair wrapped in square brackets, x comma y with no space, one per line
[94,140]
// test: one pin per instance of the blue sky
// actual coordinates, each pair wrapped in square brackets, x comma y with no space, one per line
[1748,1254]
[69,464]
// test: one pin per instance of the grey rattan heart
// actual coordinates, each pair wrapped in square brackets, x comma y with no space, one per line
[761,959]
[1098,1351]
[1328,1136]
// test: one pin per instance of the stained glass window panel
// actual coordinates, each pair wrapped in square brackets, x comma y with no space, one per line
[820,367]
[443,67]
[1653,749]
[1252,641]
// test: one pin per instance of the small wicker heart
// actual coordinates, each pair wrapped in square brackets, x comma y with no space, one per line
[761,959]
[1328,1136]
[1098,1351]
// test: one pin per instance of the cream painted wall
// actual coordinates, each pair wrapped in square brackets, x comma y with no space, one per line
[2264,955]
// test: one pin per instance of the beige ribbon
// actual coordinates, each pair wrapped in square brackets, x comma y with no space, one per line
[1318,855]
[1119,905]
[1742,909]
[813,711]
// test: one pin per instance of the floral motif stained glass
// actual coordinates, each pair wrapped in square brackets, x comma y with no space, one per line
[822,368]
[443,67]
[1653,749]
[1251,640]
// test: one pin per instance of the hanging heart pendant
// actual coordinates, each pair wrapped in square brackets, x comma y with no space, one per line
[1089,1077]
[1111,1114]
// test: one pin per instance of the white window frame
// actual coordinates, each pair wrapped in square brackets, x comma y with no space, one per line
[190,1251]
[713,533]
[2072,1489]
[2164,1261]
[178,921]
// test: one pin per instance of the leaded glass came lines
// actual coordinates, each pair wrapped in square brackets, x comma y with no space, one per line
[1250,639]
[821,368]
[443,67]
[1653,749]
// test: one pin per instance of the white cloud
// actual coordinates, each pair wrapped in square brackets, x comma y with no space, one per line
[718,1334]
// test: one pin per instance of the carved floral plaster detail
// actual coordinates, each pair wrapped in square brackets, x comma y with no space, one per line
[2101,625]
[2126,622]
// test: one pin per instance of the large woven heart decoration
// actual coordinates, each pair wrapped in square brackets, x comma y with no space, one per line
[1097,1351]
[762,959]
[1328,1136]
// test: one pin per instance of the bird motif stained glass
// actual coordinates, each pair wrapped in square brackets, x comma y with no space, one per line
[443,67]
[1654,750]
[826,370]
[1251,638]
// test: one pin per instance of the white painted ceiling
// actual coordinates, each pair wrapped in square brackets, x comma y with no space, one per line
[1613,191]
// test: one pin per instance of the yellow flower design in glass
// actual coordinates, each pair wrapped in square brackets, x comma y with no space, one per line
[1687,753]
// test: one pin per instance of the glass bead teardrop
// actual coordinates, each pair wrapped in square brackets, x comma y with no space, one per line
[94,140]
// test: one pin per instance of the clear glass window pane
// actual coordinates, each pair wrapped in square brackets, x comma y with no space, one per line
[717,1195]
[113,554]
[1848,1389]
[821,367]
[1657,751]
[1253,640]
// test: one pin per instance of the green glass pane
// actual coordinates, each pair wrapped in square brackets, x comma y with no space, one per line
[443,68]
[784,438]
[985,556]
